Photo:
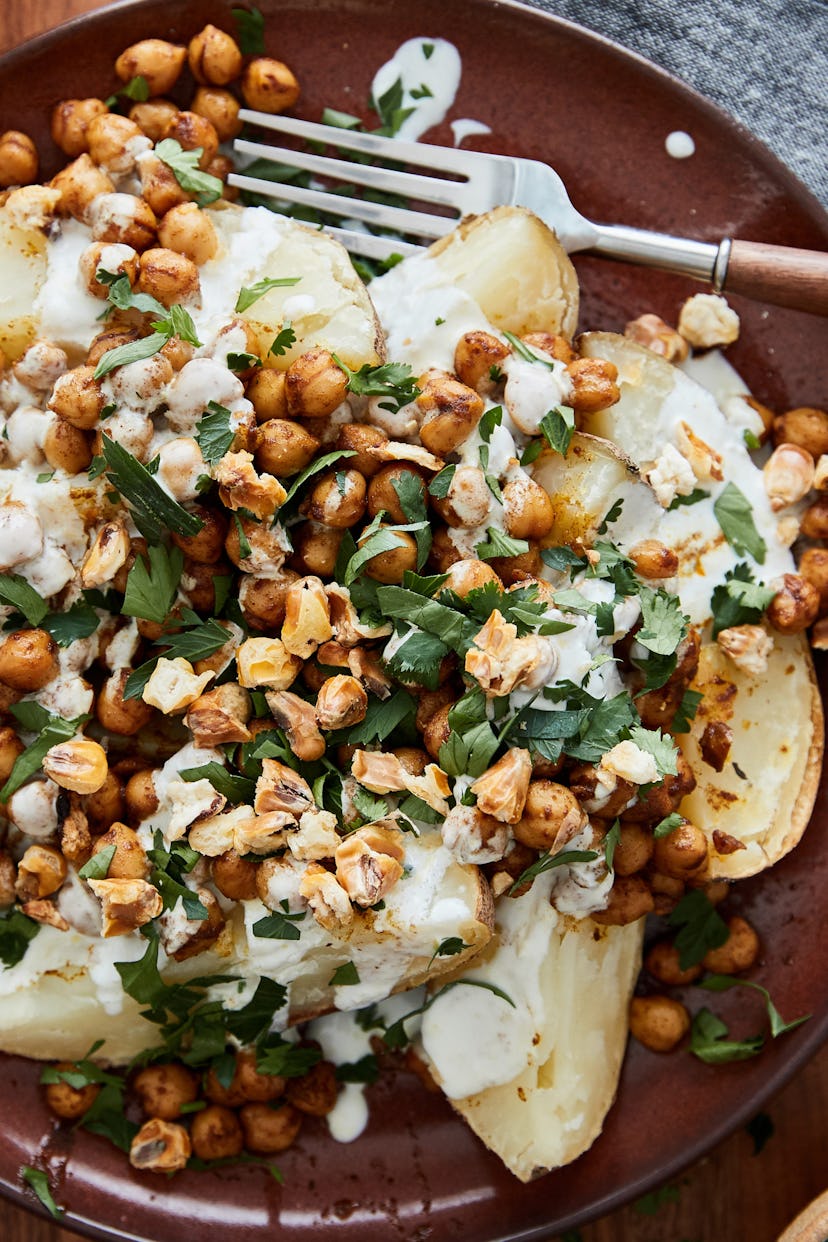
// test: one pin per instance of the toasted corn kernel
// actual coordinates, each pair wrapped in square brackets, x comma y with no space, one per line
[40,872]
[307,617]
[789,475]
[126,904]
[280,788]
[267,662]
[262,834]
[220,716]
[501,790]
[298,719]
[748,646]
[655,334]
[107,555]
[160,1147]
[341,702]
[174,685]
[79,765]
[369,864]
[329,904]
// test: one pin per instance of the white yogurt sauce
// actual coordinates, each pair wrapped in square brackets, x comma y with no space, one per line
[679,145]
[429,70]
[465,127]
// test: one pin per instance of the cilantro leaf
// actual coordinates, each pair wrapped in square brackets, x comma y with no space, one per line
[254,1020]
[249,31]
[133,351]
[236,789]
[500,544]
[15,590]
[411,495]
[691,498]
[153,510]
[52,729]
[667,825]
[345,975]
[37,1180]
[469,753]
[734,514]
[150,590]
[610,843]
[417,659]
[319,463]
[778,1025]
[79,621]
[558,427]
[662,748]
[204,187]
[381,719]
[248,294]
[283,340]
[686,711]
[369,806]
[701,927]
[140,979]
[16,932]
[607,721]
[547,861]
[449,947]
[451,627]
[740,600]
[278,926]
[98,866]
[366,1070]
[612,515]
[393,380]
[214,433]
[663,624]
[441,482]
[106,1117]
[286,1060]
[390,110]
[709,1042]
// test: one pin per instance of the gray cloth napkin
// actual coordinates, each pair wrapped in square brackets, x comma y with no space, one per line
[763,61]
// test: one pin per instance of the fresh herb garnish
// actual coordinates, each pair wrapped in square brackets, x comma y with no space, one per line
[16,933]
[546,862]
[499,543]
[709,1042]
[701,928]
[283,340]
[236,789]
[15,590]
[214,432]
[50,729]
[155,513]
[740,600]
[37,1180]
[204,187]
[249,31]
[98,866]
[151,589]
[558,427]
[734,514]
[778,1025]
[249,294]
[279,925]
[392,380]
[345,975]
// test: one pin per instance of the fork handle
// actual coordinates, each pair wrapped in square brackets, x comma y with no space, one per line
[777,274]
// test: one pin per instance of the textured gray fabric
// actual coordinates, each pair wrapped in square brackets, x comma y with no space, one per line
[763,61]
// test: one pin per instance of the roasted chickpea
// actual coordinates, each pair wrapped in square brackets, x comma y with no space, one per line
[450,412]
[360,438]
[314,1093]
[234,877]
[77,398]
[738,953]
[653,559]
[629,899]
[444,552]
[514,569]
[316,548]
[106,805]
[28,660]
[177,352]
[18,159]
[221,166]
[556,346]
[40,872]
[389,567]
[813,566]
[262,600]
[124,218]
[207,546]
[682,853]
[477,360]
[216,1133]
[593,384]
[633,850]
[81,184]
[198,582]
[795,605]
[102,344]
[129,862]
[220,108]
[663,798]
[268,85]
[158,62]
[168,276]
[469,575]
[163,1090]
[70,1103]
[188,231]
[117,714]
[269,1130]
[662,962]
[193,132]
[551,816]
[214,57]
[116,258]
[338,498]
[160,190]
[152,116]
[70,120]
[66,447]
[247,1084]
[436,730]
[658,1022]
[266,390]
[527,509]
[805,426]
[140,795]
[284,447]
[382,492]
[110,138]
[314,384]
[8,879]
[10,747]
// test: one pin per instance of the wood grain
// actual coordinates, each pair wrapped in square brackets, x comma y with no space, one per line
[732,1194]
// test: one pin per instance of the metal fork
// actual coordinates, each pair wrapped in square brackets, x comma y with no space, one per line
[778,274]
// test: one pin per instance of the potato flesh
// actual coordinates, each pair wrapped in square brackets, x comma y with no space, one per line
[22,271]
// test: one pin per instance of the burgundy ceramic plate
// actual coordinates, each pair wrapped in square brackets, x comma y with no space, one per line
[600,115]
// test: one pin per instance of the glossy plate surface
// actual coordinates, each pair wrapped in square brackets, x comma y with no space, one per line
[600,115]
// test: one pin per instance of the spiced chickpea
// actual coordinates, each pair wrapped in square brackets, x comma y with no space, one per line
[444,553]
[269,1130]
[10,747]
[382,490]
[70,121]
[160,189]
[805,426]
[66,447]
[593,384]
[663,798]
[551,343]
[247,1084]
[450,412]
[117,714]
[198,582]
[125,218]
[152,116]
[163,1090]
[477,360]
[220,108]
[106,805]
[633,850]
[104,341]
[469,574]
[662,962]
[214,57]
[315,1093]
[653,559]
[389,567]
[110,139]
[514,569]
[360,438]
[629,900]
[158,62]
[81,183]
[77,398]
[28,660]
[207,545]
[234,876]
[437,730]
[266,390]
[18,159]
[120,260]
[314,384]
[814,522]
[316,548]
[216,1133]
[813,566]
[188,231]
[129,862]
[338,498]
[528,511]
[739,952]
[221,166]
[795,605]
[40,872]
[140,795]
[658,1022]
[262,600]
[194,132]
[268,85]
[67,1102]
[284,447]
[682,853]
[168,276]
[551,816]
[8,879]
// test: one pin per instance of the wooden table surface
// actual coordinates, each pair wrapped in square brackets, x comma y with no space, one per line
[735,1194]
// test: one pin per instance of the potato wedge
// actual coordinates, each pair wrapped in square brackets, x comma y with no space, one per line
[766,791]
[535,1081]
[22,272]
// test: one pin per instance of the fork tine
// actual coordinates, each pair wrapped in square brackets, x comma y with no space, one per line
[372,245]
[398,218]
[410,185]
[447,159]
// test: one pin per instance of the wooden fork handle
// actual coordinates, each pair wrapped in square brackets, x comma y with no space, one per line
[778,274]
